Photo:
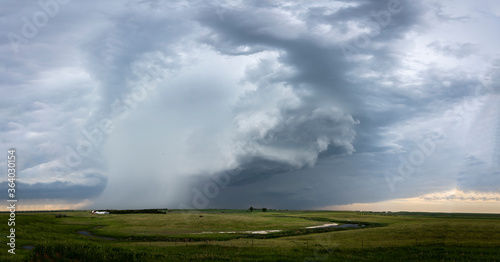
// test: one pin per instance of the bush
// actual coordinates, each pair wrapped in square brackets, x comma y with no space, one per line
[137,211]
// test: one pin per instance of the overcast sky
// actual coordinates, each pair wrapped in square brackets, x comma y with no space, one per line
[231,104]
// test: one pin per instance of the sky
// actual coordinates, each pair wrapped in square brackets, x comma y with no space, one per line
[337,105]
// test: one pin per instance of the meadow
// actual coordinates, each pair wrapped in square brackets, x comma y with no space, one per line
[179,235]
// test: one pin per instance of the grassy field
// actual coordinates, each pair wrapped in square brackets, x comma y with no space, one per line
[182,236]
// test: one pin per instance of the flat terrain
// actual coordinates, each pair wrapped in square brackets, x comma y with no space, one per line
[195,236]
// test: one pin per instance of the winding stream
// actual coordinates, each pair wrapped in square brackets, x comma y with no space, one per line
[87,233]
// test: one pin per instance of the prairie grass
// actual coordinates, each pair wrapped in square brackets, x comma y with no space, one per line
[170,236]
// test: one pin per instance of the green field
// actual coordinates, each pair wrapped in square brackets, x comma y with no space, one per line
[178,236]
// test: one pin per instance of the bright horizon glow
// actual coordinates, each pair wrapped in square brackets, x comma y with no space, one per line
[453,201]
[46,205]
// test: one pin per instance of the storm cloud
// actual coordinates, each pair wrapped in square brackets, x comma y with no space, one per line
[267,103]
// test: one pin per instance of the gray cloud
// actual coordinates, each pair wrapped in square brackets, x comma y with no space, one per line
[265,91]
[58,190]
[459,50]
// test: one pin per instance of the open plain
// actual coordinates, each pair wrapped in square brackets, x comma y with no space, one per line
[240,235]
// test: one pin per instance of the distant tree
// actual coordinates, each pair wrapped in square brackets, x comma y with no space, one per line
[251,209]
[264,209]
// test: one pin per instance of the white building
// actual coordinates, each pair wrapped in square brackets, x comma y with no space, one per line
[99,212]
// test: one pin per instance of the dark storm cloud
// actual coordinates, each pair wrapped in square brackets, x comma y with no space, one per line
[326,72]
[318,65]
[59,190]
[306,104]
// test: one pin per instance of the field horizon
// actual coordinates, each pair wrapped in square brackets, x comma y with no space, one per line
[242,235]
[257,210]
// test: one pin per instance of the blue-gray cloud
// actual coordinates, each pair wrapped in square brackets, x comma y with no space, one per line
[304,104]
